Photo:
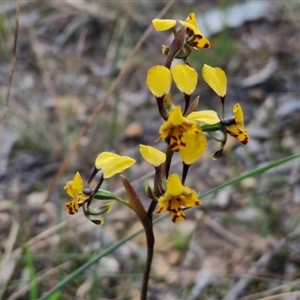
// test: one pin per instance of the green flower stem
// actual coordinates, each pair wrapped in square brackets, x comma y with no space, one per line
[209,128]
[101,195]
[184,54]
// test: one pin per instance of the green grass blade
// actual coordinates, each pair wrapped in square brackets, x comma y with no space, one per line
[33,291]
[253,173]
[110,249]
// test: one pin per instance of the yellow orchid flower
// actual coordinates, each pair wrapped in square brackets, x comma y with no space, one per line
[112,163]
[74,189]
[159,79]
[195,38]
[185,135]
[152,155]
[237,129]
[216,79]
[176,198]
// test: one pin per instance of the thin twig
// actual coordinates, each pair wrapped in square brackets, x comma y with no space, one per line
[272,291]
[281,296]
[229,236]
[7,267]
[12,68]
[146,275]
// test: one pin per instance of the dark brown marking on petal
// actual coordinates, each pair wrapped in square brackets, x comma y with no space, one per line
[232,134]
[182,144]
[159,210]
[193,45]
[174,147]
[245,141]
[199,36]
[206,46]
[70,208]
[197,202]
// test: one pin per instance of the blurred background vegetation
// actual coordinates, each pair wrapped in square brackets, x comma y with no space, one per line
[79,89]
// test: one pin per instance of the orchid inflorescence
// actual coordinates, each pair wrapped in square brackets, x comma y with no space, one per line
[184,130]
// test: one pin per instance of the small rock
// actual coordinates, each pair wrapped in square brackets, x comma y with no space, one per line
[249,183]
[108,265]
[248,214]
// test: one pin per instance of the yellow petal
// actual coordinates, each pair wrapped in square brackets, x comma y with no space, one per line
[238,115]
[195,146]
[104,158]
[163,205]
[216,79]
[196,30]
[77,183]
[175,117]
[165,24]
[192,19]
[191,200]
[205,116]
[241,134]
[200,42]
[159,80]
[174,186]
[69,189]
[117,165]
[152,155]
[185,78]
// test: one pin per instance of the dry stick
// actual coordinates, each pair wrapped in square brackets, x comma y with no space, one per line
[281,296]
[12,68]
[226,234]
[96,112]
[6,266]
[271,292]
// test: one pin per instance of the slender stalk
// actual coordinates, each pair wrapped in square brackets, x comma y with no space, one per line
[167,164]
[185,170]
[150,249]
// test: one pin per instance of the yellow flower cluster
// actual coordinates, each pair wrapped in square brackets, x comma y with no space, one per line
[183,130]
